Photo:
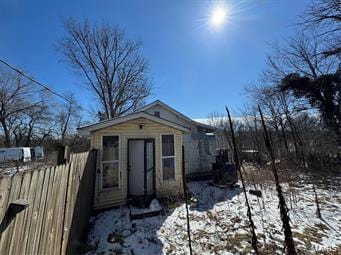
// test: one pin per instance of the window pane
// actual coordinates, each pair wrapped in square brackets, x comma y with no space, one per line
[167,145]
[110,148]
[207,148]
[168,168]
[110,175]
[157,114]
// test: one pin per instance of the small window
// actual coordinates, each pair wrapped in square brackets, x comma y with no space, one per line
[207,147]
[168,157]
[157,114]
[110,162]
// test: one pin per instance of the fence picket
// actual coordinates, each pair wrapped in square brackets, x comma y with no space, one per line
[47,217]
[20,217]
[7,223]
[60,203]
[38,210]
[60,210]
[21,246]
[5,186]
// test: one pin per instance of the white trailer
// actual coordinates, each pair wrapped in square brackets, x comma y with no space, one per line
[15,154]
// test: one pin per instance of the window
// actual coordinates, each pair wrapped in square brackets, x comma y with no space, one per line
[207,147]
[168,157]
[157,114]
[110,162]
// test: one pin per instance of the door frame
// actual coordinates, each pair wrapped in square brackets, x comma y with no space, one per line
[145,166]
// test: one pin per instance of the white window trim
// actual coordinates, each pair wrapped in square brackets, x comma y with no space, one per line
[111,161]
[162,157]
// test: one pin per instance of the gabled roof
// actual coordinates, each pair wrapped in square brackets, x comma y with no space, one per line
[85,130]
[162,104]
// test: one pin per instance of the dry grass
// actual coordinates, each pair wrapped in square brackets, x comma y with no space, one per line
[329,251]
[262,175]
[310,236]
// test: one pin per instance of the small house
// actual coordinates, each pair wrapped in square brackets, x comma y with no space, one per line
[199,142]
[141,154]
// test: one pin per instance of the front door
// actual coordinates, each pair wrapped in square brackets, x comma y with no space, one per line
[141,176]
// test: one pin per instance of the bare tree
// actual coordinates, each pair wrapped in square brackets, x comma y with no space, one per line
[37,120]
[324,16]
[280,109]
[16,98]
[17,126]
[67,118]
[300,54]
[324,11]
[112,65]
[300,86]
[299,60]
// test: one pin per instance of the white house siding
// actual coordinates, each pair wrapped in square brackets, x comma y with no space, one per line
[196,143]
[200,150]
[168,115]
[221,140]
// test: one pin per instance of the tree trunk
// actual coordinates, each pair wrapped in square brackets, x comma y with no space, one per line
[284,136]
[7,141]
[28,137]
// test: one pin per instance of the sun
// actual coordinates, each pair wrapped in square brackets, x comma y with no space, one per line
[218,16]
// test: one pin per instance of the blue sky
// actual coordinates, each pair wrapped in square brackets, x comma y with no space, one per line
[196,69]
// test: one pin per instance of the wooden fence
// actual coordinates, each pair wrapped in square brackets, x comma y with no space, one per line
[59,201]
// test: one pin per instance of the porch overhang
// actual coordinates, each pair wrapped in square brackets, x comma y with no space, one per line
[86,130]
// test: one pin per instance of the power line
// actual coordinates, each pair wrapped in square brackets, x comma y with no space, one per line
[44,86]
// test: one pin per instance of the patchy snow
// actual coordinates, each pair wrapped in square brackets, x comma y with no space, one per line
[9,171]
[219,224]
[153,207]
[13,167]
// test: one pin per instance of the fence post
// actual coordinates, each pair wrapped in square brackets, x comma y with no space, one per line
[186,200]
[63,155]
[238,165]
[289,241]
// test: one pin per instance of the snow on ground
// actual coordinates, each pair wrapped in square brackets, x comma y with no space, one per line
[13,167]
[219,224]
[9,171]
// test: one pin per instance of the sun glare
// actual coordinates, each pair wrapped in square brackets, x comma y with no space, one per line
[218,16]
